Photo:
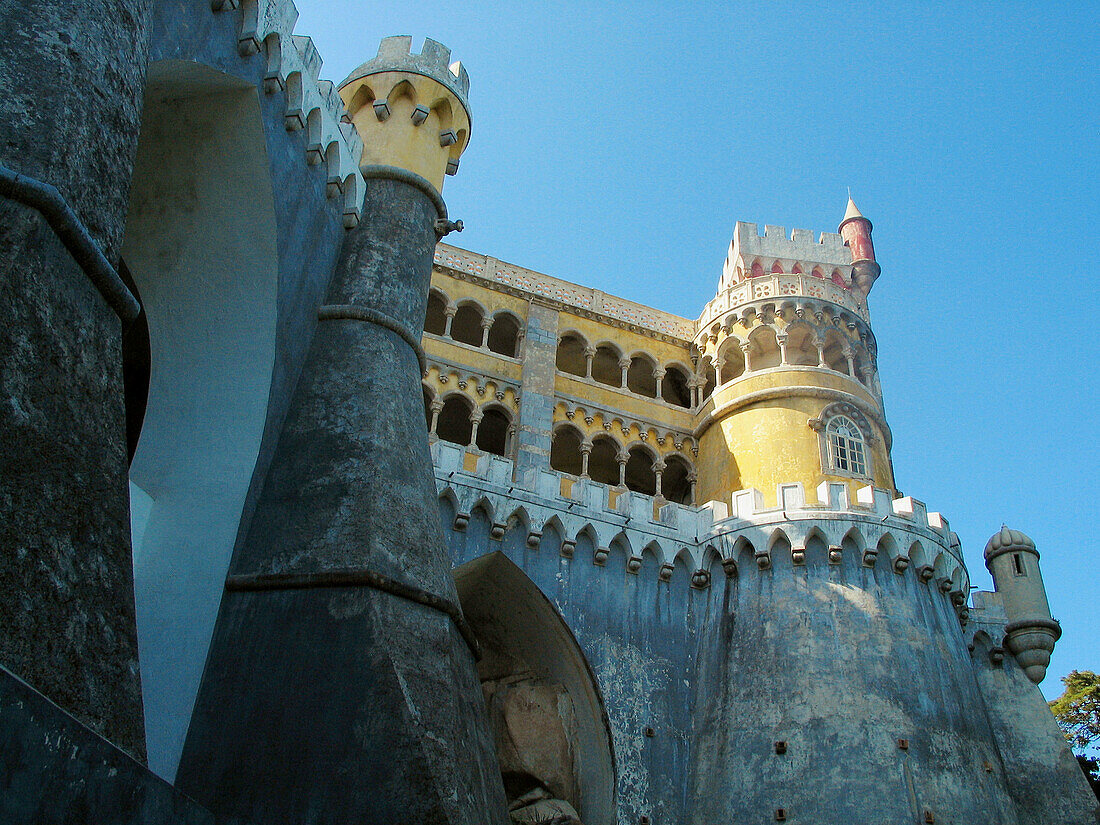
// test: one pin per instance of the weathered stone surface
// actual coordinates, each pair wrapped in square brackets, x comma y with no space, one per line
[63,500]
[358,695]
[55,771]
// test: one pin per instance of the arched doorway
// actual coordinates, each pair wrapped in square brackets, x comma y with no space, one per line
[545,710]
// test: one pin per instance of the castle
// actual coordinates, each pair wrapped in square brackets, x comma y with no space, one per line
[399,532]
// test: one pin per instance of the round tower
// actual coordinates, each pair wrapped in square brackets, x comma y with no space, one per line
[1031,632]
[410,109]
[787,359]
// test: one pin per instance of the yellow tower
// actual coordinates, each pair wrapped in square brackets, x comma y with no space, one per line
[788,357]
[410,109]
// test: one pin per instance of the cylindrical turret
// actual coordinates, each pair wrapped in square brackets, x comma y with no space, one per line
[410,109]
[856,231]
[1030,634]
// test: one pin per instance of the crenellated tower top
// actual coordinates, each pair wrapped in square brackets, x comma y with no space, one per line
[411,109]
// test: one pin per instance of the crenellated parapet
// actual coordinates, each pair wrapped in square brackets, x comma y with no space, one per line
[292,67]
[898,534]
[411,109]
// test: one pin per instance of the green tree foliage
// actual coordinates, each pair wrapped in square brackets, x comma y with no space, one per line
[1078,709]
[1091,768]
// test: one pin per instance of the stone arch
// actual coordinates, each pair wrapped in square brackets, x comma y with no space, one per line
[777,268]
[888,551]
[195,261]
[466,324]
[565,449]
[676,485]
[402,90]
[674,386]
[640,376]
[603,465]
[732,358]
[570,355]
[493,431]
[448,509]
[435,319]
[757,270]
[454,422]
[640,476]
[764,352]
[605,365]
[801,344]
[504,333]
[779,544]
[545,708]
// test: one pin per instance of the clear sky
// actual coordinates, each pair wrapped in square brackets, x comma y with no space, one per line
[615,145]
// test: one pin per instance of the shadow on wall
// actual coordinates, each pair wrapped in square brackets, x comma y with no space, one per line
[548,719]
[200,245]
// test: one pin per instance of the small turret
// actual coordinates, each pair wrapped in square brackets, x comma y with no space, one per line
[1030,634]
[856,231]
[410,109]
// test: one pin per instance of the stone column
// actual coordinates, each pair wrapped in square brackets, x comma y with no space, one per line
[536,409]
[341,683]
[449,313]
[781,339]
[848,356]
[658,376]
[821,354]
[586,452]
[437,407]
[622,458]
[658,470]
[692,479]
[71,111]
[624,365]
[745,348]
[486,325]
[589,354]
[475,419]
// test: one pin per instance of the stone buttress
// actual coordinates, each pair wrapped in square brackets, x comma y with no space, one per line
[341,684]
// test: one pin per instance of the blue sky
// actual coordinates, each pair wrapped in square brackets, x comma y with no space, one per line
[616,144]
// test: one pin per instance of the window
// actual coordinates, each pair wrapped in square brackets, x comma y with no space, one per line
[1018,565]
[846,446]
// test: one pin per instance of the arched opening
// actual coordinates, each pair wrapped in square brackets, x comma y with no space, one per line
[570,357]
[710,381]
[466,325]
[603,465]
[777,268]
[545,710]
[605,366]
[757,270]
[492,432]
[676,480]
[801,346]
[835,345]
[435,321]
[733,361]
[195,260]
[640,477]
[765,349]
[454,423]
[565,450]
[674,387]
[640,377]
[504,334]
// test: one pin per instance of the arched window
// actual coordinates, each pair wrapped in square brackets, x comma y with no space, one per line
[676,480]
[504,334]
[492,431]
[640,378]
[565,450]
[640,476]
[466,325]
[570,356]
[846,450]
[603,464]
[605,366]
[674,387]
[435,321]
[454,423]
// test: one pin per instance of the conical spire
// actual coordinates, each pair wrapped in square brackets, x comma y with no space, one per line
[852,211]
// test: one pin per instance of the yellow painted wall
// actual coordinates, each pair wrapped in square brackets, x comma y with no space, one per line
[770,442]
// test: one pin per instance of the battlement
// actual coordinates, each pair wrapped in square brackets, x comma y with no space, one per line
[395,54]
[900,530]
[797,247]
[293,66]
